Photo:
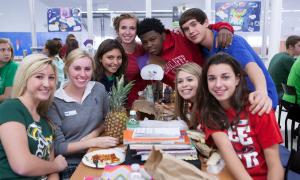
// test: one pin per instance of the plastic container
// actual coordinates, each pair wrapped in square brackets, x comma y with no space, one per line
[135,172]
[149,93]
[132,121]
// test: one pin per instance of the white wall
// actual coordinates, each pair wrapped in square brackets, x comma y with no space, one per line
[14,15]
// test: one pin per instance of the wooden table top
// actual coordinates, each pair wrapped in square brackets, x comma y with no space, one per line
[85,171]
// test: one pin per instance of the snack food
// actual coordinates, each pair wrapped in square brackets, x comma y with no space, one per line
[105,158]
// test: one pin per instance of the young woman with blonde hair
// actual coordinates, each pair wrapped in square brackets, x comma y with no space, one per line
[186,86]
[26,136]
[78,111]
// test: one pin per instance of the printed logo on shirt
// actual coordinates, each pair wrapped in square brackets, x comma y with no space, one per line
[70,113]
[174,63]
[243,143]
[34,131]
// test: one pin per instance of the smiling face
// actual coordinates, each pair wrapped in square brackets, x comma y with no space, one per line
[222,82]
[187,85]
[111,61]
[152,42]
[5,53]
[195,31]
[127,30]
[41,84]
[80,72]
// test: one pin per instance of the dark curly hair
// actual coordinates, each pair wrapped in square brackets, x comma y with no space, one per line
[104,47]
[212,115]
[150,24]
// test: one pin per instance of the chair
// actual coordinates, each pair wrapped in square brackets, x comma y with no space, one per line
[292,169]
[292,112]
[281,108]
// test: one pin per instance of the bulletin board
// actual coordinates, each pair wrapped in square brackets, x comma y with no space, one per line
[22,40]
[242,15]
[64,20]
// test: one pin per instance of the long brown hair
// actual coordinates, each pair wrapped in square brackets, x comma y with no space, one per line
[181,105]
[106,46]
[212,115]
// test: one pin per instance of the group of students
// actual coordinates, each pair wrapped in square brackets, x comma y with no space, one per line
[222,101]
[284,68]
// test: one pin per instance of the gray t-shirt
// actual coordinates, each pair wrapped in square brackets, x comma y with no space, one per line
[75,120]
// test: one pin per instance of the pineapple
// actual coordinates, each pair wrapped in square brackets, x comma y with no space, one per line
[116,119]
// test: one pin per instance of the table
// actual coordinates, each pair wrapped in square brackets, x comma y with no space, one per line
[84,171]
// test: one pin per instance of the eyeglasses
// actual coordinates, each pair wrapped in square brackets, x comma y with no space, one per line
[5,49]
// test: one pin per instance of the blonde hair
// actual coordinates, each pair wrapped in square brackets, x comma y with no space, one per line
[181,105]
[74,55]
[4,41]
[30,65]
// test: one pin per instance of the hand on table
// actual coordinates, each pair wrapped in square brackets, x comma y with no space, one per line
[104,142]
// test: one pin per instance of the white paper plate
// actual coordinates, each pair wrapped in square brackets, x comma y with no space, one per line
[87,159]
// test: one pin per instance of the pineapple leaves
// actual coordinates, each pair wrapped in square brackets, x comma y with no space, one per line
[119,94]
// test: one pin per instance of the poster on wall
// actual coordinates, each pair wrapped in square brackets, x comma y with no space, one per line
[242,15]
[21,42]
[64,20]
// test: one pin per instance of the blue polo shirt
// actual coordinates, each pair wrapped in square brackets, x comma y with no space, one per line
[244,54]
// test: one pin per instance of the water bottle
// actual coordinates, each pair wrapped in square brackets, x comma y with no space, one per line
[135,172]
[149,93]
[132,121]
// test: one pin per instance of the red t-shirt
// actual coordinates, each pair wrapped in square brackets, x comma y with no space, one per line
[63,51]
[133,73]
[178,50]
[250,137]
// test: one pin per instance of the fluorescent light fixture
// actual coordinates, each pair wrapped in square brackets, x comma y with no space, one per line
[102,7]
[290,10]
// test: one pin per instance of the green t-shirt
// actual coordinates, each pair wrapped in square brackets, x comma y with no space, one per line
[7,74]
[279,69]
[294,80]
[39,135]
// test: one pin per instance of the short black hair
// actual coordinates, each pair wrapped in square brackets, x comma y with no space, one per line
[150,24]
[292,41]
[193,13]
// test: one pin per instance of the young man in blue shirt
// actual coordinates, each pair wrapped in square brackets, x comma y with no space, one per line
[194,24]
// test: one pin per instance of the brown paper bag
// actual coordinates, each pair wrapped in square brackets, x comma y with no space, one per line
[164,167]
[160,111]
